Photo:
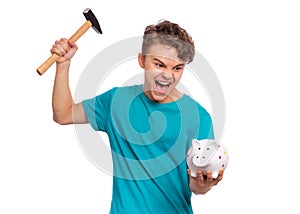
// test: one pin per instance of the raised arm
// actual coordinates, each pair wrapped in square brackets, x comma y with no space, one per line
[64,109]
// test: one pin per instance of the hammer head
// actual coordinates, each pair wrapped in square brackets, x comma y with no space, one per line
[89,15]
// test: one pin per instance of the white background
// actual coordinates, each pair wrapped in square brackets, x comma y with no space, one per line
[253,47]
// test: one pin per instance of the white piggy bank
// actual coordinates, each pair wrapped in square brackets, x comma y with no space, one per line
[206,155]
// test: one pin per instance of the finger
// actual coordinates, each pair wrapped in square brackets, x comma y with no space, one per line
[55,50]
[64,40]
[209,176]
[72,44]
[62,45]
[220,176]
[58,49]
[65,45]
[200,176]
[189,172]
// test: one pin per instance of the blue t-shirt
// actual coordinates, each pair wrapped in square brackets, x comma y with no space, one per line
[149,142]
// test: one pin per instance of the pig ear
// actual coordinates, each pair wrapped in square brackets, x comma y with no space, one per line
[195,143]
[214,144]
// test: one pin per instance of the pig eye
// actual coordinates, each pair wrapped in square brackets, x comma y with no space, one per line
[207,149]
[197,156]
[199,148]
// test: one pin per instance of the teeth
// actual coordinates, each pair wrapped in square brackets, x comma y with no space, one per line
[163,83]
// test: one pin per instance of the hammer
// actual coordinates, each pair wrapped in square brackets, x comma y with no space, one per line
[91,22]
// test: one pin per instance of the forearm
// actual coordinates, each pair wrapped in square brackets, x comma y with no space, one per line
[62,100]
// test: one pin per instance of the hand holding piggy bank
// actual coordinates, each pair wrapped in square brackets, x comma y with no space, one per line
[206,155]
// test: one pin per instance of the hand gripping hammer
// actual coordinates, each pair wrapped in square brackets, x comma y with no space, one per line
[91,22]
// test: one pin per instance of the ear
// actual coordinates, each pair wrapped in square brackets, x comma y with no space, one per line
[141,60]
[195,143]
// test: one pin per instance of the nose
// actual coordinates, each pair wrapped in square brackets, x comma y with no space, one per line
[167,74]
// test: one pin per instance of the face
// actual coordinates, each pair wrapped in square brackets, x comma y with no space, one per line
[163,71]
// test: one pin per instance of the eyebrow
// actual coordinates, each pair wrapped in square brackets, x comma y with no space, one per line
[181,64]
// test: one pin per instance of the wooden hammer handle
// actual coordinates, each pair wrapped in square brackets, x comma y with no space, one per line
[54,57]
[80,31]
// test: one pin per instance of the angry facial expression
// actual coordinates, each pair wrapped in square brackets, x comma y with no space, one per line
[163,71]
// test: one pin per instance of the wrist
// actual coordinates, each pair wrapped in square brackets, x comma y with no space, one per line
[63,66]
[199,191]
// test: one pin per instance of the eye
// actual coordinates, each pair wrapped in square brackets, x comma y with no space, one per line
[159,65]
[178,68]
[199,148]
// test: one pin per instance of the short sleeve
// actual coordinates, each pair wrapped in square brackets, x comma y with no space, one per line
[97,110]
[205,130]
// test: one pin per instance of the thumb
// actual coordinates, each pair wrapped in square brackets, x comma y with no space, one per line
[72,51]
[72,44]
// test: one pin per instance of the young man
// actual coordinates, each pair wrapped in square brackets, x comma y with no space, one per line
[150,126]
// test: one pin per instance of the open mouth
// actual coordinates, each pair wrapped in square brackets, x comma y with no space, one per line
[162,87]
